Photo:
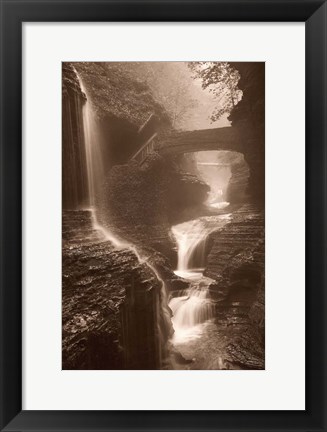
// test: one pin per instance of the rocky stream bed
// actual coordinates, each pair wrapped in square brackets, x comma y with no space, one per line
[102,284]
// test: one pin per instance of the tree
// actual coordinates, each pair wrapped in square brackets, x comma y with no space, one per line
[221,79]
[171,85]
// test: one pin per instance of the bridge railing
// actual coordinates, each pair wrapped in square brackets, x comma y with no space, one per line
[147,148]
[214,164]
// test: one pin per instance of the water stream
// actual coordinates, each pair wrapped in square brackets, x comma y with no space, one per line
[96,175]
[94,159]
[192,308]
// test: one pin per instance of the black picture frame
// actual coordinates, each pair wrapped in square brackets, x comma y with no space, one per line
[13,14]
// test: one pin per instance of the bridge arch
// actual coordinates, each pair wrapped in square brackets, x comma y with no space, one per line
[226,138]
[226,172]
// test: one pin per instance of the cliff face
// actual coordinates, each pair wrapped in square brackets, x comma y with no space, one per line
[112,302]
[237,189]
[140,203]
[232,176]
[237,262]
[120,104]
[74,173]
[113,306]
[248,118]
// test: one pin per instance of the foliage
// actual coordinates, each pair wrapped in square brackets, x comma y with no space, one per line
[171,86]
[221,79]
[114,92]
[134,90]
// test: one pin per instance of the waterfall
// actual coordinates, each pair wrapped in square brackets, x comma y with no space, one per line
[95,175]
[191,244]
[94,157]
[193,307]
[163,316]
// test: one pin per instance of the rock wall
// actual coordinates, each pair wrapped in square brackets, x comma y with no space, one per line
[248,119]
[113,305]
[237,262]
[121,105]
[140,203]
[237,189]
[74,172]
[236,257]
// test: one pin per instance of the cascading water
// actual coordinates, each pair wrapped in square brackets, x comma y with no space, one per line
[193,307]
[94,158]
[95,174]
[191,241]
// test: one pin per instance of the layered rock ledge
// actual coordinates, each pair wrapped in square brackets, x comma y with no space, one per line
[113,307]
[237,262]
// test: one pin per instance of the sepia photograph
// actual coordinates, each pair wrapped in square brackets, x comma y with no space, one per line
[163,215]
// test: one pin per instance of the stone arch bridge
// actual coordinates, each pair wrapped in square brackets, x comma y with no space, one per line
[175,143]
[227,138]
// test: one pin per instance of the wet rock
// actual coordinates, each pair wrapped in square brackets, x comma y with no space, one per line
[179,284]
[237,188]
[100,285]
[237,252]
[140,203]
[251,111]
[74,181]
[237,263]
[246,351]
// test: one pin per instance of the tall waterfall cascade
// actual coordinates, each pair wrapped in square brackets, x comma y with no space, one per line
[94,159]
[96,176]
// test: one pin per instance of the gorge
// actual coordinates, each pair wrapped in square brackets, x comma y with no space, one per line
[163,229]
